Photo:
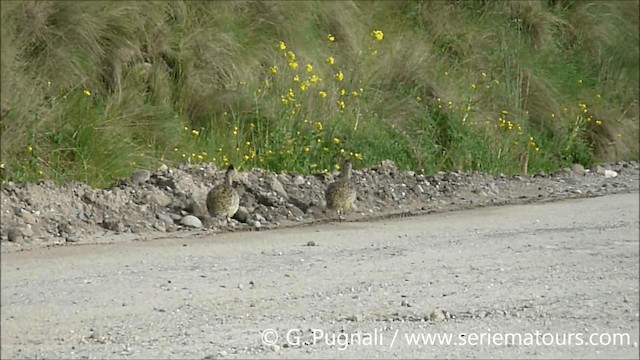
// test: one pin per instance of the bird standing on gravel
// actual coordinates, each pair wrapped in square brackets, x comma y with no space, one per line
[341,194]
[224,199]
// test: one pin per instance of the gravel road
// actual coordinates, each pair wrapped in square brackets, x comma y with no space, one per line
[551,280]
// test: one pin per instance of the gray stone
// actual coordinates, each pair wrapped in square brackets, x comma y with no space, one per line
[113,225]
[140,177]
[610,174]
[14,235]
[298,180]
[168,220]
[27,216]
[276,186]
[242,215]
[577,169]
[191,221]
[160,198]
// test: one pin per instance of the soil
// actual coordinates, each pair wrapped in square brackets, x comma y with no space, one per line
[171,202]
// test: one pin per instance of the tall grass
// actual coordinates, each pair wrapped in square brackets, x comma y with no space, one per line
[93,90]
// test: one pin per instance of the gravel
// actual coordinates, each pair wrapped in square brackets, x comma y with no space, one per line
[173,199]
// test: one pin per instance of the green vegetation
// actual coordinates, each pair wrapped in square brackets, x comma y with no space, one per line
[93,90]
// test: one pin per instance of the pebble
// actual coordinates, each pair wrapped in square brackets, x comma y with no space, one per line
[14,235]
[140,177]
[167,219]
[191,221]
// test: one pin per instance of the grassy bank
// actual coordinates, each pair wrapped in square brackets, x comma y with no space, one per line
[93,90]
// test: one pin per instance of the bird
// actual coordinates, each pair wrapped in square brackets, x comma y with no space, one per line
[223,199]
[341,194]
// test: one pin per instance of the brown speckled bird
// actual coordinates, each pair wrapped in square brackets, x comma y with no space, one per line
[341,194]
[224,199]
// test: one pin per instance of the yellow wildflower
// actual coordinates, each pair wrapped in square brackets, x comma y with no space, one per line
[296,78]
[339,76]
[291,55]
[340,104]
[331,60]
[318,126]
[336,140]
[30,148]
[273,69]
[293,65]
[325,149]
[473,86]
[343,92]
[195,132]
[314,78]
[322,93]
[87,92]
[246,157]
[306,149]
[377,35]
[282,45]
[200,157]
[598,122]
[331,38]
[309,68]
[304,86]
[358,156]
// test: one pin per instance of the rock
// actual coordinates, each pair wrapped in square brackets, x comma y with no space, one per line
[257,224]
[163,168]
[113,225]
[191,221]
[311,243]
[242,215]
[578,169]
[175,217]
[72,239]
[597,169]
[159,198]
[437,315]
[276,186]
[298,180]
[296,212]
[27,216]
[15,235]
[160,226]
[140,177]
[610,174]
[168,220]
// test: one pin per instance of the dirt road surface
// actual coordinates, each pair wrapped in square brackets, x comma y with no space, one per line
[529,281]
